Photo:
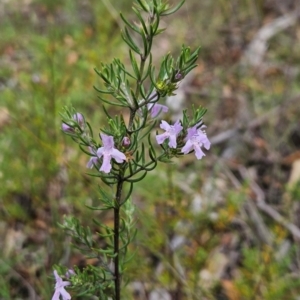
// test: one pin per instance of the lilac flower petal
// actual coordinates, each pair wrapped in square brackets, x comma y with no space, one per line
[160,138]
[107,152]
[188,147]
[156,109]
[65,294]
[164,125]
[60,288]
[56,295]
[198,152]
[106,165]
[90,163]
[107,140]
[163,108]
[100,152]
[172,141]
[203,139]
[177,127]
[191,132]
[93,161]
[118,155]
[64,283]
[195,139]
[57,277]
[206,143]
[171,133]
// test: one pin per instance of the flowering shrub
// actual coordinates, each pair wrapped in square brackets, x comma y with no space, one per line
[125,152]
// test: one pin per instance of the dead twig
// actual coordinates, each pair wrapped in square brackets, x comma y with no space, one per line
[230,133]
[256,50]
[31,291]
[261,229]
[266,208]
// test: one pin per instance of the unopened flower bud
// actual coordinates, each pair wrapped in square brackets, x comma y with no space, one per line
[178,76]
[67,128]
[78,117]
[126,142]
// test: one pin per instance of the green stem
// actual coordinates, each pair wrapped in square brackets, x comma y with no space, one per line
[141,72]
[117,240]
[137,91]
[121,179]
[139,81]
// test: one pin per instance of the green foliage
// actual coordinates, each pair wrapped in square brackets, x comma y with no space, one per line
[121,169]
[264,276]
[48,49]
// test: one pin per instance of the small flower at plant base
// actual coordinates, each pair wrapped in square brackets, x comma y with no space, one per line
[78,117]
[108,152]
[195,139]
[94,159]
[155,109]
[126,142]
[60,288]
[70,273]
[171,133]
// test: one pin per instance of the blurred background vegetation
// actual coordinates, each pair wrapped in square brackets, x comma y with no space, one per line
[226,227]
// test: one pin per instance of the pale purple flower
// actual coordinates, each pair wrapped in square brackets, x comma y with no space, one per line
[94,159]
[196,139]
[78,117]
[108,152]
[171,133]
[155,109]
[60,288]
[70,273]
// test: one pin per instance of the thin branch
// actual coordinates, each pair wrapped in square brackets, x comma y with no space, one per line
[117,240]
[31,291]
[267,209]
[257,221]
[230,133]
[256,50]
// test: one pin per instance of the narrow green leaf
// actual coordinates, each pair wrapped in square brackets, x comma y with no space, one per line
[143,5]
[172,10]
[159,31]
[129,41]
[128,194]
[134,64]
[125,71]
[133,27]
[138,179]
[141,20]
[189,69]
[103,91]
